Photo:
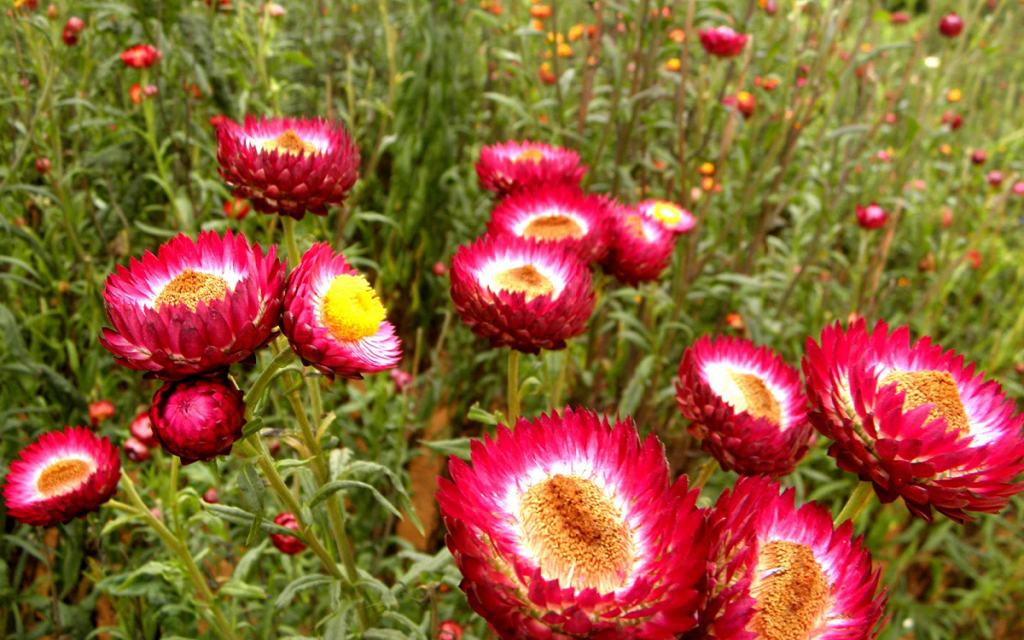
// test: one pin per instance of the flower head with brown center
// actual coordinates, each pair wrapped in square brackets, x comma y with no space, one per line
[560,215]
[289,166]
[514,167]
[519,293]
[745,404]
[195,307]
[61,476]
[781,573]
[568,527]
[914,420]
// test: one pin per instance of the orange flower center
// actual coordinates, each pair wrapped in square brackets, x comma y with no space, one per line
[289,142]
[576,534]
[62,476]
[553,227]
[525,279]
[936,388]
[189,287]
[531,155]
[351,308]
[792,592]
[747,392]
[635,225]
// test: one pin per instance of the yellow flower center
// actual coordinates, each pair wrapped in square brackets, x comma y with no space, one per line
[189,287]
[553,227]
[792,592]
[525,279]
[531,155]
[576,534]
[62,476]
[635,225]
[667,212]
[351,308]
[289,142]
[747,392]
[937,388]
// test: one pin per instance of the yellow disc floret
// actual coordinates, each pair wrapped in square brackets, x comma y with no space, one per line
[667,212]
[351,308]
[289,142]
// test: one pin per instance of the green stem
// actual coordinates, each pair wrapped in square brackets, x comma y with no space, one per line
[859,499]
[513,387]
[172,494]
[181,549]
[277,483]
[288,224]
[706,471]
[283,357]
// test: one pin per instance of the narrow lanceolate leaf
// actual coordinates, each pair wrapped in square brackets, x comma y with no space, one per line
[298,586]
[331,488]
[252,488]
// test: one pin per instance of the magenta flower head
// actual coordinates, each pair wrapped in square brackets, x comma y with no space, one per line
[777,572]
[994,178]
[289,166]
[334,320]
[560,215]
[871,216]
[513,166]
[951,25]
[914,420]
[722,41]
[568,527]
[1018,188]
[286,544]
[671,216]
[521,294]
[195,307]
[61,476]
[198,419]
[141,56]
[641,246]
[745,404]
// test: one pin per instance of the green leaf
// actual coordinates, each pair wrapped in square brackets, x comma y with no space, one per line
[458,447]
[252,489]
[234,515]
[299,585]
[331,488]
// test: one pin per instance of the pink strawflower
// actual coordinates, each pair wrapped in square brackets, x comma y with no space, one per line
[641,247]
[871,216]
[195,307]
[560,215]
[334,320]
[745,404]
[776,571]
[722,41]
[141,56]
[289,166]
[951,25]
[61,476]
[669,215]
[569,527]
[915,421]
[513,166]
[521,294]
[141,429]
[100,411]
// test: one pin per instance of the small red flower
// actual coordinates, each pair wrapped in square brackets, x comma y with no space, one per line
[994,178]
[974,258]
[953,119]
[236,209]
[979,156]
[287,544]
[135,450]
[722,41]
[211,496]
[449,630]
[141,56]
[899,17]
[951,25]
[100,411]
[871,216]
[135,92]
[43,165]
